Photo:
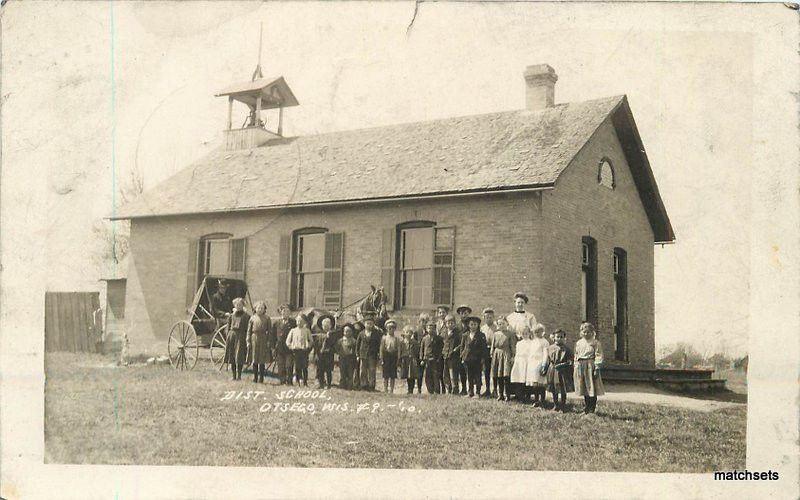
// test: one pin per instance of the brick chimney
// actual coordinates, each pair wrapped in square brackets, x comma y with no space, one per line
[540,82]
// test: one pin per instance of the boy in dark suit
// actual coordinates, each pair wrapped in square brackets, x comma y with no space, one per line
[367,348]
[473,351]
[431,354]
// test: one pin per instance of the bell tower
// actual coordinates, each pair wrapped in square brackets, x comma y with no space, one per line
[260,94]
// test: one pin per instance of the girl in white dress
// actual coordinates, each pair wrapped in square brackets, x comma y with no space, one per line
[536,369]
[519,369]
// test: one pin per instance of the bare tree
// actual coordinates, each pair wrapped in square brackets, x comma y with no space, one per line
[114,236]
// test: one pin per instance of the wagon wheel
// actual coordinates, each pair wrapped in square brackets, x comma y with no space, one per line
[219,342]
[182,346]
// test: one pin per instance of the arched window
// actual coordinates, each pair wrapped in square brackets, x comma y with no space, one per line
[216,254]
[605,174]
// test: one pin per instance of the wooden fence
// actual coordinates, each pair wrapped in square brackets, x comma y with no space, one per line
[69,321]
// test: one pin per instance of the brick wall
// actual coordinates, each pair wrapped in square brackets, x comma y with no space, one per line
[495,253]
[578,207]
[504,243]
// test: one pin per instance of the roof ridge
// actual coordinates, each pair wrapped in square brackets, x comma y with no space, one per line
[453,118]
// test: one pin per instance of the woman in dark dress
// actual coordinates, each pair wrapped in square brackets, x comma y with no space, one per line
[236,347]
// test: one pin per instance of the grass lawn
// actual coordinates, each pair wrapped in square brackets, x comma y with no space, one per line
[154,415]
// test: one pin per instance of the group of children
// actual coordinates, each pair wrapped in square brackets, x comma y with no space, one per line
[452,354]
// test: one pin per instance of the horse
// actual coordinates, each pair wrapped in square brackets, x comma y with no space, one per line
[374,302]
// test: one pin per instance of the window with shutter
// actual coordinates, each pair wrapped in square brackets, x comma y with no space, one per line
[388,260]
[308,267]
[443,263]
[237,258]
[192,271]
[416,265]
[214,255]
[425,262]
[284,269]
[334,261]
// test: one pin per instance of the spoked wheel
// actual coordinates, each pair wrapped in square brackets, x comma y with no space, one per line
[219,343]
[182,347]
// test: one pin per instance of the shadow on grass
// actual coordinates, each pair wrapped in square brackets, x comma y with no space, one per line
[726,396]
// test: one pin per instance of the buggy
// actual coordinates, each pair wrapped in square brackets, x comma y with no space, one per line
[206,323]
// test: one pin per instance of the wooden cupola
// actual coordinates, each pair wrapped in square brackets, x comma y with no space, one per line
[259,94]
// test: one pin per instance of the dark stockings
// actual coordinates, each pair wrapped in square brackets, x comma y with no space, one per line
[589,404]
[559,405]
[259,370]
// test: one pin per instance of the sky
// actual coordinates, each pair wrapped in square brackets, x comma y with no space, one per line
[130,85]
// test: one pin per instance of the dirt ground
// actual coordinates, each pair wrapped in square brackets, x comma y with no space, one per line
[646,394]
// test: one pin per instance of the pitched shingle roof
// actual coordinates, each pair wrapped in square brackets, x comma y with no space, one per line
[496,151]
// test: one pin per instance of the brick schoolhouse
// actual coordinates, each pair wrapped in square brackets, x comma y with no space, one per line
[557,200]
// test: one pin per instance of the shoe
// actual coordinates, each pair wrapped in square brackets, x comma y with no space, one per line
[471,394]
[499,397]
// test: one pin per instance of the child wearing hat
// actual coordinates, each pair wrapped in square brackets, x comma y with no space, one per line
[464,311]
[389,354]
[473,352]
[430,353]
[299,342]
[346,349]
[409,360]
[559,370]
